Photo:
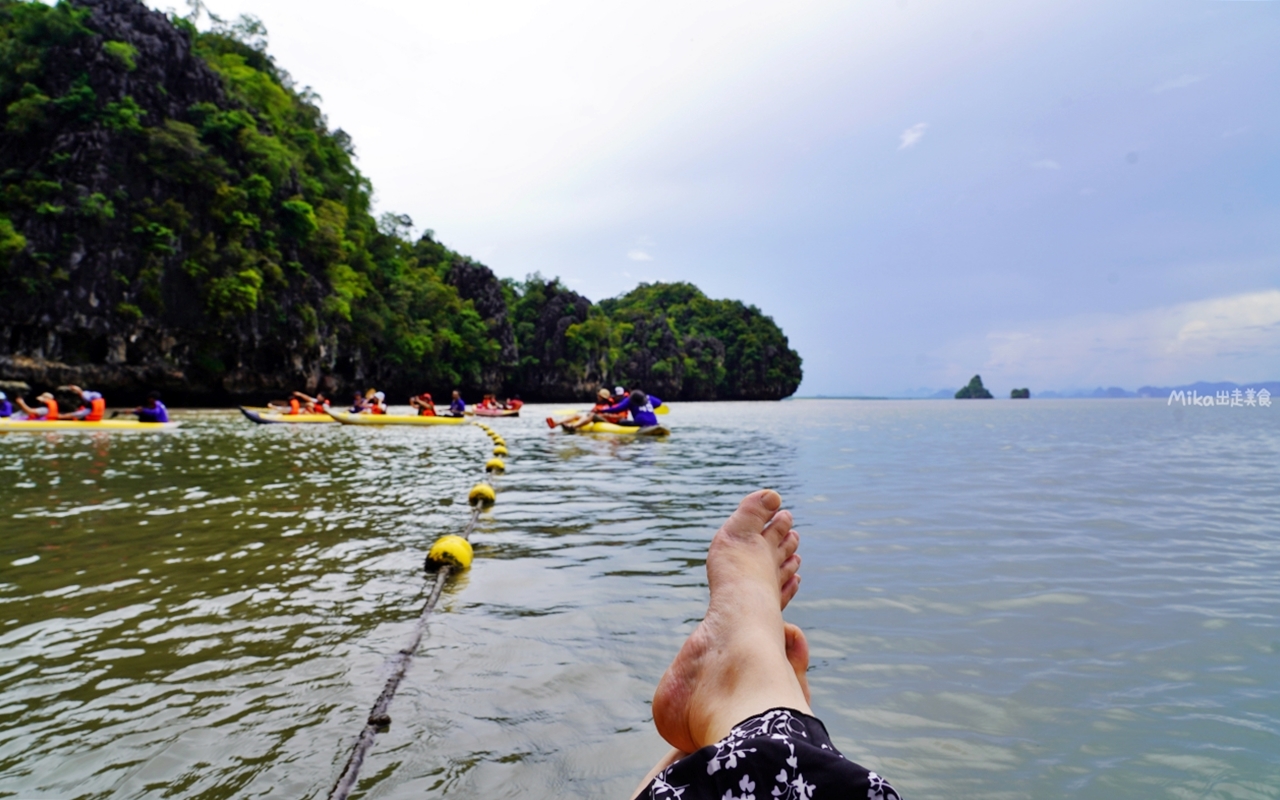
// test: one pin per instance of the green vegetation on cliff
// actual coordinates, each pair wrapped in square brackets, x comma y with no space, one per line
[175,211]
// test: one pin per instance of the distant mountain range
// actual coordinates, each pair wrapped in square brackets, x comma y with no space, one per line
[1201,388]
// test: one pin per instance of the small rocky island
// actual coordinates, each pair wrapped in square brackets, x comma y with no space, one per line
[974,391]
[1020,394]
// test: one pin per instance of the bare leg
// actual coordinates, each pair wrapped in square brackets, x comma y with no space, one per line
[735,664]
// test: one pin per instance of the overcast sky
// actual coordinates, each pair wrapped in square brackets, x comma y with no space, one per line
[1055,194]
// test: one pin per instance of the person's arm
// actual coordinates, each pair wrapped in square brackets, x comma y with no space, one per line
[625,405]
[29,411]
[77,414]
[655,401]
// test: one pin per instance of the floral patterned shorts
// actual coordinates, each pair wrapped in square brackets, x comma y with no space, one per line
[780,754]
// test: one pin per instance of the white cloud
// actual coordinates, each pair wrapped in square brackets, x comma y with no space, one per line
[639,255]
[1046,163]
[912,136]
[1225,338]
[1181,82]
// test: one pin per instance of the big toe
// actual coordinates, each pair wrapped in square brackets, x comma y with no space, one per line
[755,514]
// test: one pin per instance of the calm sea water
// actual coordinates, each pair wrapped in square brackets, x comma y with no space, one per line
[1004,600]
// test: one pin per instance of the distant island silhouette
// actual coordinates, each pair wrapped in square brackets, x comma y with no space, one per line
[1100,393]
[974,391]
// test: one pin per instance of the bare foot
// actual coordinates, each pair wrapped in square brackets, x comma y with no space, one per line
[734,665]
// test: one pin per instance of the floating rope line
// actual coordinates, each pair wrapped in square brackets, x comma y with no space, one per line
[448,555]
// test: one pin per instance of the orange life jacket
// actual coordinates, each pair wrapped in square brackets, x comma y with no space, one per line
[294,406]
[97,408]
[52,405]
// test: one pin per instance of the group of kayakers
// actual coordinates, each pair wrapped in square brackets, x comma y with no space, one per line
[425,406]
[91,407]
[375,402]
[631,409]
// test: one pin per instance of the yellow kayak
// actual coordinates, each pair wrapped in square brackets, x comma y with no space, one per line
[624,430]
[271,416]
[393,419]
[37,426]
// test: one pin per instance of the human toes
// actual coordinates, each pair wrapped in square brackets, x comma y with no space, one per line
[758,514]
[788,590]
[789,545]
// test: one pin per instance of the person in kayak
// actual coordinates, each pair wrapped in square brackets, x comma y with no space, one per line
[291,407]
[152,410]
[6,408]
[425,405]
[735,704]
[49,412]
[489,402]
[94,408]
[378,405]
[640,405]
[457,406]
[604,401]
[308,404]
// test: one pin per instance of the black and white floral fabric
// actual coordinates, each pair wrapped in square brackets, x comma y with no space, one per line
[778,755]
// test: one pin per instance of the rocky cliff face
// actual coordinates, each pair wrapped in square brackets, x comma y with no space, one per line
[175,213]
[72,332]
[544,315]
[477,284]
[102,191]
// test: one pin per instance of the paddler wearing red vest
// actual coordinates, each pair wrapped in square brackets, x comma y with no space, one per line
[94,408]
[49,412]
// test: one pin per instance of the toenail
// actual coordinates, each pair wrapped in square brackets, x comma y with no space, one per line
[771,499]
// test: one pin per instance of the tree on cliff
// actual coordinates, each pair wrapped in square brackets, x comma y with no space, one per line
[176,211]
[974,391]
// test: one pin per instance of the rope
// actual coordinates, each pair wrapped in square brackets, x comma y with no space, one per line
[378,718]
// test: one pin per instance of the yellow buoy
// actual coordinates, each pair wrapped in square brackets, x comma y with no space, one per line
[494,465]
[452,550]
[500,442]
[499,451]
[481,494]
